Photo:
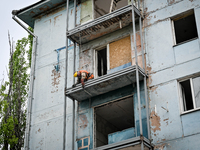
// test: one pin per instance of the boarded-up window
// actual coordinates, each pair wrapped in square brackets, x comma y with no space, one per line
[120,52]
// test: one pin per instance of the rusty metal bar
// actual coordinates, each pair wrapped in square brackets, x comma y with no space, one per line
[66,67]
[145,84]
[137,74]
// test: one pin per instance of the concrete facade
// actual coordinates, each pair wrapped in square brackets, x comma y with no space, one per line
[166,65]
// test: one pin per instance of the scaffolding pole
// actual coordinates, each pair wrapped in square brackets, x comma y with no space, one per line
[145,84]
[66,68]
[74,68]
[137,75]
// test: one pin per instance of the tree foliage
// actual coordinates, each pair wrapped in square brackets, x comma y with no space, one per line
[14,94]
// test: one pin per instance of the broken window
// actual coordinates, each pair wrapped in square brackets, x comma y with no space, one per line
[185,27]
[107,58]
[190,93]
[101,62]
[112,118]
[102,7]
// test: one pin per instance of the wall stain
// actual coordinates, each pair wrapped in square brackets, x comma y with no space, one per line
[44,8]
[71,11]
[41,142]
[83,121]
[171,2]
[160,147]
[155,122]
[166,119]
[55,18]
[153,88]
[55,80]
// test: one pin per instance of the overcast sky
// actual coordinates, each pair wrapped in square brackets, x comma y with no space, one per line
[7,23]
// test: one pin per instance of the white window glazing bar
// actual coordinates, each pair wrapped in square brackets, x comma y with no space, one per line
[173,32]
[108,57]
[192,90]
[182,100]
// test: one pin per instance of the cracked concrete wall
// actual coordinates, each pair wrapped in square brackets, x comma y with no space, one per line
[166,64]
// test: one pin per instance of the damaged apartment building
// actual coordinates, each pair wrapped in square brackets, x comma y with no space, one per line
[145,57]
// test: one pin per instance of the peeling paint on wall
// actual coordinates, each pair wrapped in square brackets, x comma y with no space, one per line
[155,122]
[83,123]
[160,147]
[56,18]
[55,80]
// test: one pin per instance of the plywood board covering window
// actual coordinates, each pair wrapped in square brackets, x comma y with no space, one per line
[120,52]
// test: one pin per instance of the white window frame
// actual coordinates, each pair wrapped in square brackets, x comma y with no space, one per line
[173,32]
[95,57]
[181,95]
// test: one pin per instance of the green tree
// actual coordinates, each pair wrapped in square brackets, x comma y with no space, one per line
[14,94]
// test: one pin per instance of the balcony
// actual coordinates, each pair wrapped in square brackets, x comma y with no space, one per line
[133,143]
[105,83]
[103,25]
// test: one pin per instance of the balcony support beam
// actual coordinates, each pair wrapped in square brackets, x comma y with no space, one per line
[137,74]
[65,83]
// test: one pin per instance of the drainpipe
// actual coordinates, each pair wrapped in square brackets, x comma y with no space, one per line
[66,68]
[31,85]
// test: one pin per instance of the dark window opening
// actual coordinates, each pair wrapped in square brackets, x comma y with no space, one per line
[185,29]
[102,62]
[102,7]
[111,118]
[187,95]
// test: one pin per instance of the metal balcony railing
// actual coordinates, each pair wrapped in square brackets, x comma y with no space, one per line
[103,25]
[105,83]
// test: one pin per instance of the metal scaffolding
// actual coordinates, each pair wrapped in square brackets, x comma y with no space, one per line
[82,34]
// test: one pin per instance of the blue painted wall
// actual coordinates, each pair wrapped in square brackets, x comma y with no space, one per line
[167,64]
[85,109]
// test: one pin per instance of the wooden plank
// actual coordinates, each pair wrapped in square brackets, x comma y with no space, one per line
[120,52]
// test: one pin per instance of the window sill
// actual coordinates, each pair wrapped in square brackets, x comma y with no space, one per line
[190,111]
[185,41]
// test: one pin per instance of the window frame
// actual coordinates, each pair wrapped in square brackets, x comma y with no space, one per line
[95,57]
[174,18]
[181,95]
[94,115]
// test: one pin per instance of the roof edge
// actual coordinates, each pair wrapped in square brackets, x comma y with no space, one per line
[16,12]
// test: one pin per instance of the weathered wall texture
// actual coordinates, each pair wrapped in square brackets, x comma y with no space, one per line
[47,106]
[48,98]
[166,64]
[86,112]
